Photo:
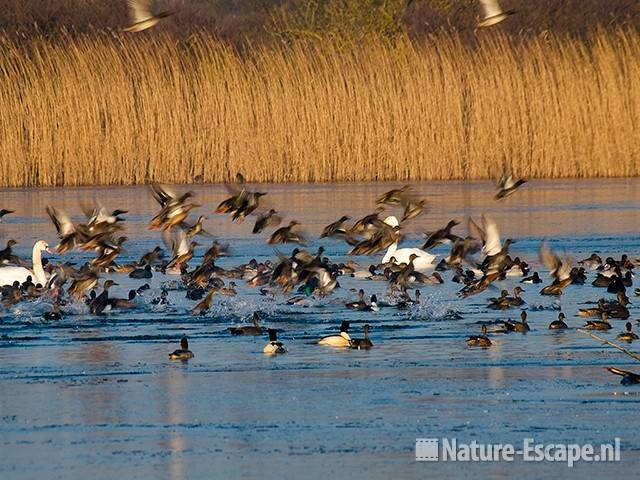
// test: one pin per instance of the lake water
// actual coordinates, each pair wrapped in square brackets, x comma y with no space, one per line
[98,397]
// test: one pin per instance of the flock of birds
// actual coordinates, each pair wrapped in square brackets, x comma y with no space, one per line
[142,17]
[476,261]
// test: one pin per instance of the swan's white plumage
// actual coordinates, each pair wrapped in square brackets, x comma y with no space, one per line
[8,275]
[424,260]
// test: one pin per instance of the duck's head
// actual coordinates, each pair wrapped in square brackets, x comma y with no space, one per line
[518,290]
[628,327]
[273,335]
[523,316]
[561,316]
[184,343]
[109,284]
[374,299]
[255,318]
[344,326]
[484,330]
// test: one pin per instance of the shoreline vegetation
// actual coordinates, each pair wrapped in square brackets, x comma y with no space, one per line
[100,107]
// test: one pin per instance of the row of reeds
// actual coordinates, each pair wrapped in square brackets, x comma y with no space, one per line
[112,109]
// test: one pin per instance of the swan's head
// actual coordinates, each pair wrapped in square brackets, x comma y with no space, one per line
[42,246]
[391,221]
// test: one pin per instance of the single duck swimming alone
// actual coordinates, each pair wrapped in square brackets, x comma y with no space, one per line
[254,329]
[558,324]
[183,353]
[479,340]
[273,346]
[628,335]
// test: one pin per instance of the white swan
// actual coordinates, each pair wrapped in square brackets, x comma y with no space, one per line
[424,260]
[8,275]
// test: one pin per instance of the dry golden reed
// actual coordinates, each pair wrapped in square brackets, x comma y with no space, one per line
[102,109]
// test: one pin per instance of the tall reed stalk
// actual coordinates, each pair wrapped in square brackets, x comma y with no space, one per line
[109,109]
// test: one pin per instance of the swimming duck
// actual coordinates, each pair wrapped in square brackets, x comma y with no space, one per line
[592,262]
[434,279]
[601,281]
[254,329]
[140,273]
[98,305]
[535,278]
[362,343]
[558,324]
[578,276]
[617,284]
[342,340]
[628,378]
[505,301]
[371,307]
[628,335]
[480,340]
[124,303]
[54,314]
[360,303]
[274,347]
[616,310]
[183,353]
[7,257]
[496,302]
[602,324]
[518,268]
[593,311]
[406,301]
[521,326]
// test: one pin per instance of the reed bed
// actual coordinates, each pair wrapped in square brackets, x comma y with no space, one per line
[110,109]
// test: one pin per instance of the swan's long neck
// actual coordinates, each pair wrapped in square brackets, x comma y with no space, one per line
[390,251]
[38,271]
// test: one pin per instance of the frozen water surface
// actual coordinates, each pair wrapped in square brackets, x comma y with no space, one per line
[98,398]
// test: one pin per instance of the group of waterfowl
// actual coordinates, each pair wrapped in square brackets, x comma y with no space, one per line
[302,276]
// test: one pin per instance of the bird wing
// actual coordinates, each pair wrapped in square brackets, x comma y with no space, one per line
[550,260]
[492,244]
[162,194]
[139,10]
[491,8]
[61,221]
